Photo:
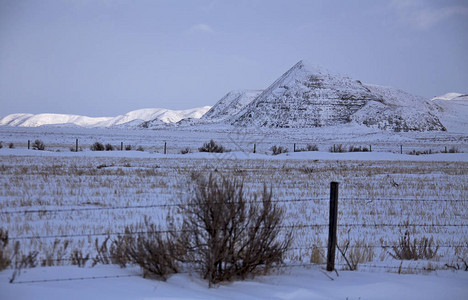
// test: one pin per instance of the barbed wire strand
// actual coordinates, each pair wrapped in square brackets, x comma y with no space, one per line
[368,200]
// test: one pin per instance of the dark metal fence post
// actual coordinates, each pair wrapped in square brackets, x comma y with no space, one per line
[401,149]
[121,146]
[29,144]
[370,148]
[165,149]
[294,147]
[76,145]
[333,222]
[255,148]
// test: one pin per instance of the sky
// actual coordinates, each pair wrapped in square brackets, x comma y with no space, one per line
[108,57]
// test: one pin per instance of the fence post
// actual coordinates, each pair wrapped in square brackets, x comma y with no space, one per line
[370,148]
[334,150]
[401,149]
[76,145]
[29,144]
[294,147]
[121,146]
[445,149]
[333,222]
[165,148]
[255,148]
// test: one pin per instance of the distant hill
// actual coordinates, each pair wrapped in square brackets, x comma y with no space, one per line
[453,111]
[130,119]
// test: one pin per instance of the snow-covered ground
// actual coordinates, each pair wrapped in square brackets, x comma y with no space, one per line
[379,187]
[294,283]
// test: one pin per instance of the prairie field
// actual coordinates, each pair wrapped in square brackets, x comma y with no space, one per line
[56,204]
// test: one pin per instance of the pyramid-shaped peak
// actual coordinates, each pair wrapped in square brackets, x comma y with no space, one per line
[310,67]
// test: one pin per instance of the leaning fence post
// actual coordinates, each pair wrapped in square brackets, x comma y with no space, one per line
[333,222]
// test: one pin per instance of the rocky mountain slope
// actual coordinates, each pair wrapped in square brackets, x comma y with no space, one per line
[230,105]
[129,119]
[310,96]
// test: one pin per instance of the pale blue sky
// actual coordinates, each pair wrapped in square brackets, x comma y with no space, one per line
[107,57]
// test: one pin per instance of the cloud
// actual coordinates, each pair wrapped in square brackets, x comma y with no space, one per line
[201,28]
[420,15]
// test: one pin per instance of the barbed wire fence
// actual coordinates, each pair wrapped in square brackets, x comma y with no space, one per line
[292,227]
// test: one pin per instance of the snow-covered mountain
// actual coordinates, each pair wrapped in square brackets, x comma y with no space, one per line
[451,96]
[453,111]
[230,105]
[129,119]
[310,96]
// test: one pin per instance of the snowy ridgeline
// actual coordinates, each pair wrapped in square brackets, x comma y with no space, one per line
[306,96]
[128,120]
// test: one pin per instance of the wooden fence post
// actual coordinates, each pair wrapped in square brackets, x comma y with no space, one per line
[333,222]
[370,148]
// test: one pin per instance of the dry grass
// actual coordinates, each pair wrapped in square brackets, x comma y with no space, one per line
[63,182]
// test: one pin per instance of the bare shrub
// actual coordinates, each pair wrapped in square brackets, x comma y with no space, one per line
[355,254]
[358,149]
[309,147]
[5,260]
[185,151]
[38,145]
[97,147]
[157,253]
[128,147]
[417,152]
[118,249]
[453,149]
[140,148]
[77,258]
[458,266]
[229,236]
[102,252]
[337,148]
[22,261]
[11,146]
[278,150]
[109,147]
[54,254]
[1,144]
[211,146]
[409,248]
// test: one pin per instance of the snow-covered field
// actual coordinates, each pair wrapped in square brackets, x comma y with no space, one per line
[80,196]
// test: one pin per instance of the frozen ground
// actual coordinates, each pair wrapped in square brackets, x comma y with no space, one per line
[295,283]
[98,193]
